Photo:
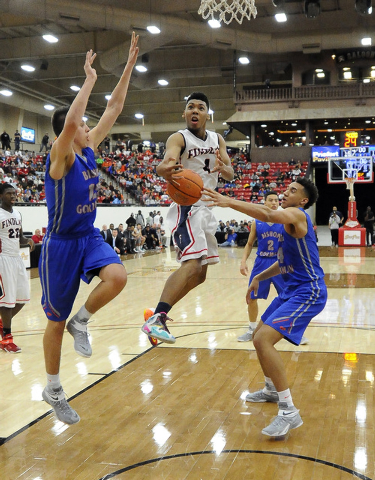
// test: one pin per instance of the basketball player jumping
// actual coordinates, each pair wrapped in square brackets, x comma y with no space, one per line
[193,228]
[72,247]
[303,298]
[14,281]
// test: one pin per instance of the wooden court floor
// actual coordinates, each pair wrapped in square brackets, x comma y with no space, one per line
[178,412]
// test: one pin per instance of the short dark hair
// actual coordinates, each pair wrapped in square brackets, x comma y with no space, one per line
[198,96]
[310,190]
[58,119]
[5,186]
[271,192]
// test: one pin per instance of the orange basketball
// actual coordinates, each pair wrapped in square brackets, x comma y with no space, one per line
[187,188]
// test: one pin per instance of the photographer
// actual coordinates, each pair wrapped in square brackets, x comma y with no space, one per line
[334,225]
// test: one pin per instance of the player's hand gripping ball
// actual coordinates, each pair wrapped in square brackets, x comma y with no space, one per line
[186,187]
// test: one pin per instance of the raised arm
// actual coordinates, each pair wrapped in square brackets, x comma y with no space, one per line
[62,153]
[116,103]
[293,218]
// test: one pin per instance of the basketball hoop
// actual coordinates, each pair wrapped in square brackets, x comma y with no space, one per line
[228,9]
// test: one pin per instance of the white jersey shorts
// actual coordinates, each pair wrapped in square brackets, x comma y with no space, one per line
[193,231]
[14,282]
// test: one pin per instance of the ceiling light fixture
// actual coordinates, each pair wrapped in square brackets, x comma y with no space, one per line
[50,38]
[141,68]
[280,17]
[163,82]
[108,97]
[366,41]
[6,92]
[84,119]
[49,107]
[244,60]
[153,29]
[139,115]
[75,88]
[214,23]
[28,68]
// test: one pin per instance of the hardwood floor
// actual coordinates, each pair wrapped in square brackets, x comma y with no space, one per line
[179,411]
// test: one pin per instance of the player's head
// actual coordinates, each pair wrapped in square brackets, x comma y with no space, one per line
[58,119]
[301,193]
[271,200]
[7,195]
[196,111]
[198,96]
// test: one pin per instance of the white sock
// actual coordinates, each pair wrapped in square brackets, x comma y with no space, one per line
[286,397]
[83,314]
[269,386]
[53,381]
[253,325]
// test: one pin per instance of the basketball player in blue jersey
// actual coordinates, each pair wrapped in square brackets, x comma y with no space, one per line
[304,296]
[267,236]
[193,228]
[72,248]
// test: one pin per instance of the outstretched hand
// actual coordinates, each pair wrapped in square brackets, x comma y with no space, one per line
[219,164]
[168,168]
[133,50]
[90,72]
[215,199]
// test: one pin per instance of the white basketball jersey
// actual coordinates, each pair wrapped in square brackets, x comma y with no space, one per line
[199,155]
[10,230]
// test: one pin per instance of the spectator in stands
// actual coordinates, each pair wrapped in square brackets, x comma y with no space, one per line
[140,219]
[131,222]
[17,140]
[129,239]
[139,238]
[37,237]
[117,243]
[5,140]
[44,143]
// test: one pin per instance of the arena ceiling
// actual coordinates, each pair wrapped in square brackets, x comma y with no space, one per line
[187,53]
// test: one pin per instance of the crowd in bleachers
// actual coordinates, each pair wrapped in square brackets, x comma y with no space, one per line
[129,177]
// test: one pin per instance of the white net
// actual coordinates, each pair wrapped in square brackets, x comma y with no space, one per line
[227,10]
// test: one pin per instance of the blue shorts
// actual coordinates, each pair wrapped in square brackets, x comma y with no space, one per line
[290,315]
[63,262]
[260,264]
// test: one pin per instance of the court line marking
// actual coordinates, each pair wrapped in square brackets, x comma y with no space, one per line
[262,452]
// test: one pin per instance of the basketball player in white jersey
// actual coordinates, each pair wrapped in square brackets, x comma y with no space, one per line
[192,228]
[14,282]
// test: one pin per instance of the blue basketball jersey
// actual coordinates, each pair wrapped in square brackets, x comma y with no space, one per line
[268,236]
[71,201]
[299,258]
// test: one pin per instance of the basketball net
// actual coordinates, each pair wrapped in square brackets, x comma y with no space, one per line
[228,9]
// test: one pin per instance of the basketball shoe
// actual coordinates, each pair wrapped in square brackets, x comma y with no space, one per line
[247,336]
[286,420]
[260,397]
[8,345]
[156,327]
[64,412]
[78,330]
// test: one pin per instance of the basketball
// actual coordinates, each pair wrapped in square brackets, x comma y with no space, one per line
[187,188]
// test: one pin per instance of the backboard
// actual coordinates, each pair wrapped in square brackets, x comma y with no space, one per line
[350,166]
